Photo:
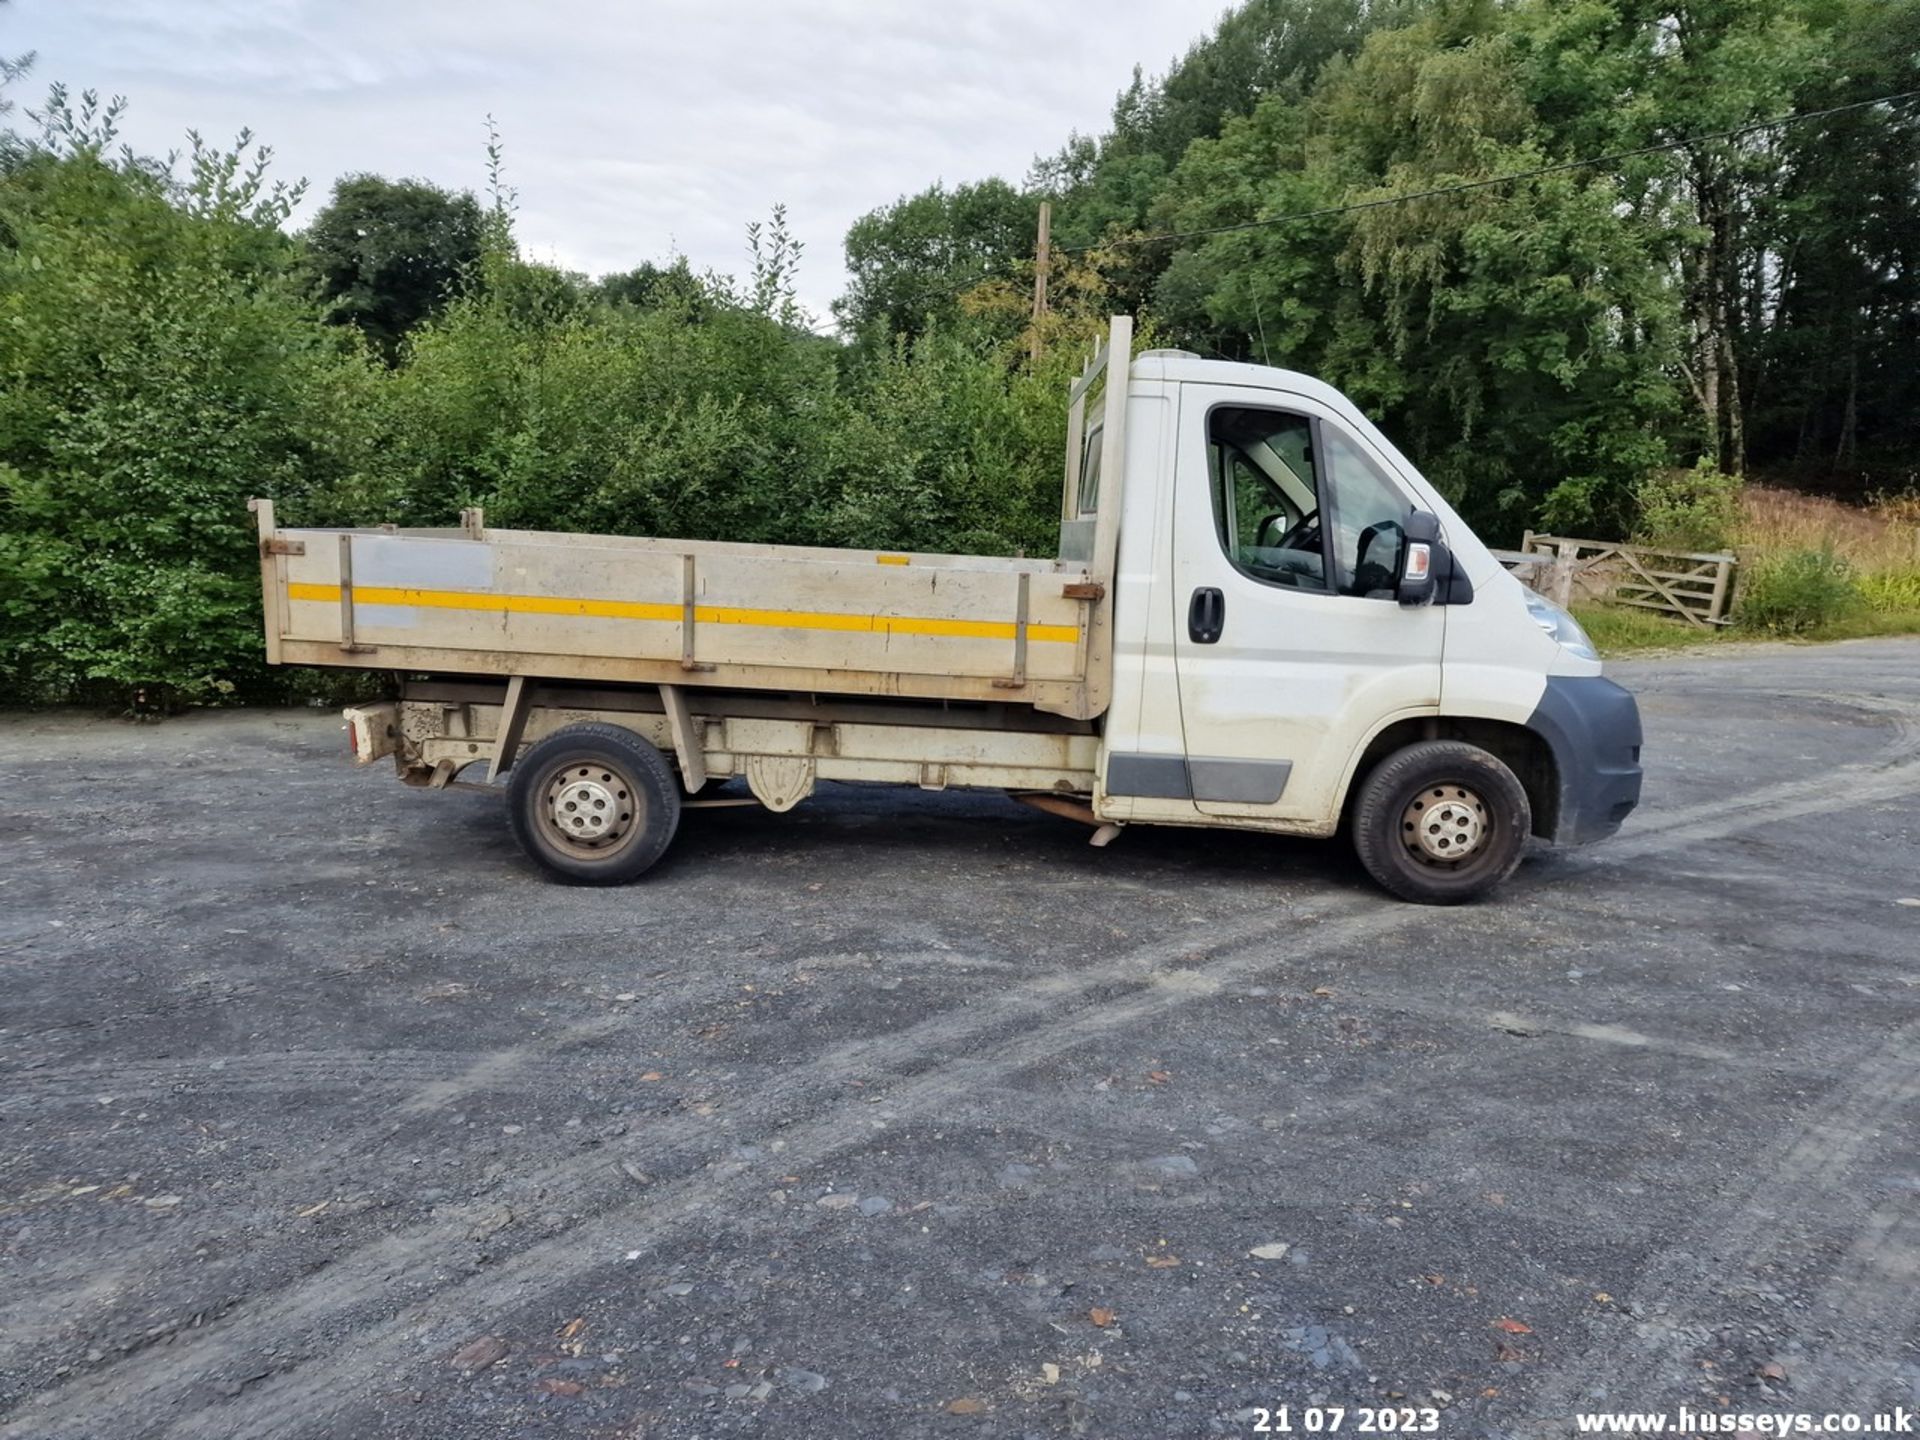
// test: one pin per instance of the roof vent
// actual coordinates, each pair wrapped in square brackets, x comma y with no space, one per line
[1166,355]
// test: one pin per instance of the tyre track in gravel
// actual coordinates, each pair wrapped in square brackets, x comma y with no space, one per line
[427,1078]
[285,1404]
[439,1080]
[372,1072]
[443,1080]
[430,949]
[929,1095]
[1903,747]
[1888,764]
[1797,799]
[1872,1288]
[926,1096]
[1734,1237]
[27,1313]
[403,1270]
[1821,1154]
[215,992]
[1332,1178]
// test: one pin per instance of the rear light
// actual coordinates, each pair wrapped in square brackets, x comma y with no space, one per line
[373,731]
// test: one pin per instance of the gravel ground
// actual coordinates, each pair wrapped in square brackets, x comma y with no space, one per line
[321,1114]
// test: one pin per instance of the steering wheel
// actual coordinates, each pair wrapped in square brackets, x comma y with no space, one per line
[1295,536]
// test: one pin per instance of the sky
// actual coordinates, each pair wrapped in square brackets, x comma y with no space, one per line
[633,131]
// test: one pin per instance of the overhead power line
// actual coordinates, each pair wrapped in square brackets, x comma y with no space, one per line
[1488,181]
[1010,272]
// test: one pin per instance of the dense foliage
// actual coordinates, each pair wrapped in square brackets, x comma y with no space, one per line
[1597,347]
[1541,344]
[160,365]
[166,355]
[386,254]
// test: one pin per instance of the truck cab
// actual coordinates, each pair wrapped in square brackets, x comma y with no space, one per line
[1272,649]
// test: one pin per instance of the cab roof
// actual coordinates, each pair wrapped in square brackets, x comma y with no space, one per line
[1183,367]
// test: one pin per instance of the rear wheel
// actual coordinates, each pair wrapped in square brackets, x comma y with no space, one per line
[1441,822]
[594,804]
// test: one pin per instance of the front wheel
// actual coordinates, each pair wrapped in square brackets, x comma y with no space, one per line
[1441,822]
[594,804]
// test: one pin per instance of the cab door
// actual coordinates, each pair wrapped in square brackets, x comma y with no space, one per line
[1291,647]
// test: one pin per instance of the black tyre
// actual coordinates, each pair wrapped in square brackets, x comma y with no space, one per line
[1441,822]
[594,804]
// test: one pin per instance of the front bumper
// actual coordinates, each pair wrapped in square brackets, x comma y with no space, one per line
[1593,728]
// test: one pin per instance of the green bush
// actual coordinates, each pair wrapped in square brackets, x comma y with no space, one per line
[161,360]
[1891,591]
[716,422]
[1796,590]
[160,366]
[1693,509]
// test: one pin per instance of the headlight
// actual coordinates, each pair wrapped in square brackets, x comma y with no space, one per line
[1561,626]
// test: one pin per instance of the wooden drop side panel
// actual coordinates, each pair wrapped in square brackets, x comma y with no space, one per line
[513,602]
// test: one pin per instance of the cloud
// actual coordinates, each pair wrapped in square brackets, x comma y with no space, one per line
[633,129]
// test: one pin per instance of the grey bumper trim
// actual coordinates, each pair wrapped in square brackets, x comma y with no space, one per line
[1593,728]
[1200,777]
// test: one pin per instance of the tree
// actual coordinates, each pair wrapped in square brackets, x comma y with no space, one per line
[1515,337]
[776,255]
[1731,63]
[13,68]
[1832,320]
[386,254]
[1263,50]
[916,258]
[913,259]
[652,287]
[163,364]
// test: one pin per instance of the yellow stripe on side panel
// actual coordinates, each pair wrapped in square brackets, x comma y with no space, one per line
[474,600]
[703,614]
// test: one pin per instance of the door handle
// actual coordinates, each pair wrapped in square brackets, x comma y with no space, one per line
[1206,615]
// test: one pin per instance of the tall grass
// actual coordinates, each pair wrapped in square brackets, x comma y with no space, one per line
[1808,561]
[1879,542]
[1810,568]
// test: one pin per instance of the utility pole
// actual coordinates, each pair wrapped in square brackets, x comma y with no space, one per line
[1042,257]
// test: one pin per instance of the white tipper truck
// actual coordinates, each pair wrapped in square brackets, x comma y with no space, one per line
[1261,617]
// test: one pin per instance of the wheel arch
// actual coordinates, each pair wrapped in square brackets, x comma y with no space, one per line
[1523,751]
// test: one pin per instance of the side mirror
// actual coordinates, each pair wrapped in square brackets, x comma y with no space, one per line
[1428,575]
[1423,559]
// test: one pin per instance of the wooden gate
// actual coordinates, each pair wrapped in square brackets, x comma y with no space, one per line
[1696,587]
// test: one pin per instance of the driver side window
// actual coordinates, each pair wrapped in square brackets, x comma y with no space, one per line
[1266,501]
[1370,516]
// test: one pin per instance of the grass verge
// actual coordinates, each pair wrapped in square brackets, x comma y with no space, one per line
[1622,630]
